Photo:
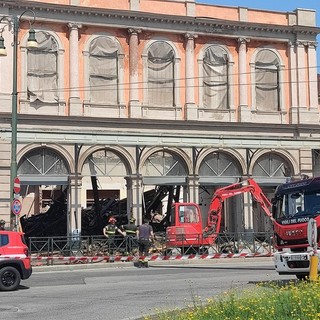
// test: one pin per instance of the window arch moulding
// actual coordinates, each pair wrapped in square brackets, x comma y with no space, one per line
[176,152]
[43,166]
[273,166]
[219,167]
[161,51]
[103,58]
[164,167]
[124,154]
[216,83]
[42,83]
[105,162]
[267,84]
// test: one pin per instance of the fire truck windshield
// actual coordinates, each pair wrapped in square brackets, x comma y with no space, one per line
[297,205]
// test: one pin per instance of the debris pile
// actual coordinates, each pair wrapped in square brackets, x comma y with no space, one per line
[51,223]
[93,219]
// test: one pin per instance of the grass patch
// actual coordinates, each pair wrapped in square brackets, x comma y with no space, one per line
[275,300]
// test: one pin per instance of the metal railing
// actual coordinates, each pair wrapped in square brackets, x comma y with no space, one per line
[85,246]
[231,243]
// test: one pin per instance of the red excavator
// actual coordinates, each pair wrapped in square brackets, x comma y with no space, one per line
[185,226]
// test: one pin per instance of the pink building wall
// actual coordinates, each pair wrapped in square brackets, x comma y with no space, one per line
[181,8]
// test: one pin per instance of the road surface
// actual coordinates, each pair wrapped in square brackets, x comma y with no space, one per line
[126,292]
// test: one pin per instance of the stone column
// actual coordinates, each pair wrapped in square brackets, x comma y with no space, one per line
[74,225]
[307,83]
[134,104]
[193,186]
[137,194]
[312,69]
[130,198]
[244,112]
[190,107]
[301,72]
[248,213]
[243,99]
[75,106]
[294,111]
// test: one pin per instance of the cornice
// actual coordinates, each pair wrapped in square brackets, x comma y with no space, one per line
[150,21]
[207,127]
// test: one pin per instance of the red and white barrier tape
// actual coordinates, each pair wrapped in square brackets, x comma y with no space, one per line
[149,258]
[88,259]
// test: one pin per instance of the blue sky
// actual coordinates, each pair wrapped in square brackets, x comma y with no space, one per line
[279,5]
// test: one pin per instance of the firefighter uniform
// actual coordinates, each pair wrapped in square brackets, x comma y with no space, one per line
[111,231]
[130,230]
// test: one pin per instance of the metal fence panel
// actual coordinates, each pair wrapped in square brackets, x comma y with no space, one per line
[246,242]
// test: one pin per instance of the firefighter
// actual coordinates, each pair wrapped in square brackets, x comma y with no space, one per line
[2,224]
[130,230]
[111,231]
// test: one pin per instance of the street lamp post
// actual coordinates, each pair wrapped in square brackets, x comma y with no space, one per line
[31,43]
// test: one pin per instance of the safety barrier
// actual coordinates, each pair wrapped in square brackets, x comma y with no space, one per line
[49,260]
[83,259]
[90,249]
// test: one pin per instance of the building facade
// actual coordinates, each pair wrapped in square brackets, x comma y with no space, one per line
[144,93]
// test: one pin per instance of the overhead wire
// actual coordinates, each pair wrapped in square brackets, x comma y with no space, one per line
[141,85]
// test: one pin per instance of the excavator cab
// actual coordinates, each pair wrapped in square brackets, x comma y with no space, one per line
[185,228]
[188,214]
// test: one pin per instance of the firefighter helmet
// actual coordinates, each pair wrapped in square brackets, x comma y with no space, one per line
[112,219]
[2,222]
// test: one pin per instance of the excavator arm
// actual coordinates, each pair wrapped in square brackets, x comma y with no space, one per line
[221,194]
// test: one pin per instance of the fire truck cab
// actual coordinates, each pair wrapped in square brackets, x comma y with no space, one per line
[294,204]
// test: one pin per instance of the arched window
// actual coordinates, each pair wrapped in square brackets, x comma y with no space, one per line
[44,162]
[163,163]
[272,165]
[267,81]
[104,163]
[215,78]
[42,69]
[161,74]
[103,66]
[219,164]
[104,71]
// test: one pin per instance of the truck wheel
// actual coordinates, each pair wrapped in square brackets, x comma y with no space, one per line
[9,279]
[301,277]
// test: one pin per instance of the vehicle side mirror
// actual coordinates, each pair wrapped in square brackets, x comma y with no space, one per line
[274,207]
